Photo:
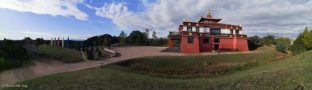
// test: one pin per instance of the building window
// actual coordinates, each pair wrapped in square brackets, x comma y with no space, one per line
[206,40]
[216,40]
[231,31]
[215,31]
[236,32]
[189,29]
[197,29]
[189,39]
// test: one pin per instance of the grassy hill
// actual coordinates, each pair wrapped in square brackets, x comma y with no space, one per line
[271,72]
[62,54]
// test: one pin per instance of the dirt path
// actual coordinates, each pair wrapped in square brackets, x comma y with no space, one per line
[44,68]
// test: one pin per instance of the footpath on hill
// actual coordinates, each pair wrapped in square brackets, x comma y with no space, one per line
[47,67]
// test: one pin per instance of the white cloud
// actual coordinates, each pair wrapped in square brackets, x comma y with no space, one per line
[121,16]
[280,17]
[50,7]
[45,35]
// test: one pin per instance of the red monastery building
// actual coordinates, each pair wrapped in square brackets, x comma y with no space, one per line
[208,35]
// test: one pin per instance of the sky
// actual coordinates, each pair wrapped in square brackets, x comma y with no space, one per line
[80,19]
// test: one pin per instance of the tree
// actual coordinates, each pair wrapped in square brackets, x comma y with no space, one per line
[40,41]
[102,40]
[105,39]
[298,45]
[282,44]
[269,40]
[254,42]
[30,46]
[122,37]
[122,34]
[154,35]
[307,38]
[136,37]
[90,53]
[147,32]
[12,55]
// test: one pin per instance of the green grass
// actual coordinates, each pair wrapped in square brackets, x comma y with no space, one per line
[195,66]
[62,54]
[287,74]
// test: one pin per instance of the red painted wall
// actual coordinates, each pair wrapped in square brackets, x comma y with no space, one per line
[226,44]
[242,44]
[204,47]
[189,47]
[170,43]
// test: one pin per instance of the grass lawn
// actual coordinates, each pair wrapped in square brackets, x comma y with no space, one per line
[271,72]
[195,66]
[62,54]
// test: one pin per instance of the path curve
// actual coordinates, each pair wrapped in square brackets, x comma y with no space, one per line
[43,68]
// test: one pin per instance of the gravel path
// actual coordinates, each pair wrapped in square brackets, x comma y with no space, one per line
[47,68]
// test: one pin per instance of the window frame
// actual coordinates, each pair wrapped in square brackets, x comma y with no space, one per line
[190,40]
[206,40]
[216,40]
[197,29]
[189,29]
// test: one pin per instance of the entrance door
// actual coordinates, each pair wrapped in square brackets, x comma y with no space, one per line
[216,47]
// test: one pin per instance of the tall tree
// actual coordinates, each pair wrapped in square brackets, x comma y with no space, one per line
[105,39]
[122,37]
[269,40]
[122,34]
[154,35]
[307,38]
[298,45]
[147,32]
[254,42]
[40,41]
[136,37]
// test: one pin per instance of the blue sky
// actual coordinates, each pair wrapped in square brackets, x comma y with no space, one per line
[80,19]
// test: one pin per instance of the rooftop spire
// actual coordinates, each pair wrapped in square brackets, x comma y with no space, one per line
[209,14]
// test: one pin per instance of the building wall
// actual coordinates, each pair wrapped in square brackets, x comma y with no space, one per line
[242,44]
[227,44]
[189,47]
[205,47]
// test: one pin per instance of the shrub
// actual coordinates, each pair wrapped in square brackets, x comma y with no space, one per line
[298,45]
[254,42]
[281,47]
[269,40]
[307,38]
[63,54]
[282,44]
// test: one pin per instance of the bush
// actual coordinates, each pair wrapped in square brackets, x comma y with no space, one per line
[63,54]
[282,44]
[281,47]
[12,56]
[97,52]
[254,42]
[137,37]
[307,38]
[298,45]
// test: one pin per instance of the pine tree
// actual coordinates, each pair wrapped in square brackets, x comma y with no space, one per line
[122,37]
[146,32]
[122,34]
[298,45]
[154,35]
[307,38]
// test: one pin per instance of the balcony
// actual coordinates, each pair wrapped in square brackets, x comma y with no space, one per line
[174,35]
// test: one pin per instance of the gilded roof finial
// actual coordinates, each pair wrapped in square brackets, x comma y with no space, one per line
[209,14]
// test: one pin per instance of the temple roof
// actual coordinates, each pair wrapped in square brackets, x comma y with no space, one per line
[209,18]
